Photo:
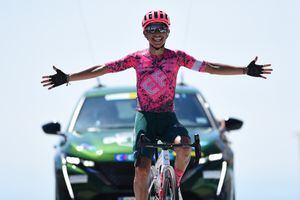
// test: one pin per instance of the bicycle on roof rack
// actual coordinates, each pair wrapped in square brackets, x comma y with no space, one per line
[162,175]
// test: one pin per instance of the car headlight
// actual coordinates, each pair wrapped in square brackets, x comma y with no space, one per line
[72,160]
[88,163]
[215,157]
[211,158]
[77,161]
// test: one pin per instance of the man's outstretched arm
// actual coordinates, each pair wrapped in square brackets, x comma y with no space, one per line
[61,78]
[89,73]
[114,66]
[252,69]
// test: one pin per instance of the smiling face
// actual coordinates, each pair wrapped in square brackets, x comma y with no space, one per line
[157,35]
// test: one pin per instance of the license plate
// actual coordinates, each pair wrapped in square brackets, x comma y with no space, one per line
[126,198]
[211,174]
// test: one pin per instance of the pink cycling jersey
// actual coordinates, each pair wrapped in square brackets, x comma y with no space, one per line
[156,76]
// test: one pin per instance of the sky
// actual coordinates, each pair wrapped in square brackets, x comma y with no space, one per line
[76,34]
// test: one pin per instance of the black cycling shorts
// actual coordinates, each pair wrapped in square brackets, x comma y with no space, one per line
[163,126]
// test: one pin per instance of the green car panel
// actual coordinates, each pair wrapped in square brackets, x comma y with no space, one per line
[84,158]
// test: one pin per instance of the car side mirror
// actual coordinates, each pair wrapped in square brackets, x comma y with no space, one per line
[52,128]
[233,124]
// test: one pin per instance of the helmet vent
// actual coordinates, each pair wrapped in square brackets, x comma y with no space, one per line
[157,16]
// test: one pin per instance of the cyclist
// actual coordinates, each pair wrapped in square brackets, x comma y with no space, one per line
[156,70]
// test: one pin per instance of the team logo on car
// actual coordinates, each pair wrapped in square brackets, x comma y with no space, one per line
[122,139]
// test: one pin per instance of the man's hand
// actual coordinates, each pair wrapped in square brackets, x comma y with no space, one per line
[257,70]
[56,79]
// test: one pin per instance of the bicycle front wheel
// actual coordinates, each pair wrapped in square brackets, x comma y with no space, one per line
[152,185]
[168,183]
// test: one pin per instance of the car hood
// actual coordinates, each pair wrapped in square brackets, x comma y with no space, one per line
[103,145]
[114,144]
[210,140]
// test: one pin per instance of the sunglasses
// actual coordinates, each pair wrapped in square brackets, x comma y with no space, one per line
[157,27]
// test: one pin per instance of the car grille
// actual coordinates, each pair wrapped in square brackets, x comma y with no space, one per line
[119,174]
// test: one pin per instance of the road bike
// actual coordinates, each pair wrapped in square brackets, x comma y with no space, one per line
[162,175]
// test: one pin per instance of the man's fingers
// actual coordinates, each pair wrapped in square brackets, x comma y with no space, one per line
[267,65]
[255,59]
[46,80]
[263,77]
[47,84]
[54,68]
[266,72]
[51,87]
[45,76]
[267,68]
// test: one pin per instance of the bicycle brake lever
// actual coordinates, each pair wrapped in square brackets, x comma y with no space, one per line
[142,138]
[197,149]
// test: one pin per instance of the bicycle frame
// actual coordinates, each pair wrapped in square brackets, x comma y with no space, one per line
[144,142]
[163,161]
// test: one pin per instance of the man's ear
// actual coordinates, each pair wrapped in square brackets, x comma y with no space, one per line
[167,34]
[144,32]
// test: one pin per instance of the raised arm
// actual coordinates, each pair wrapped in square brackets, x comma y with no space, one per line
[115,66]
[252,69]
[92,72]
[61,78]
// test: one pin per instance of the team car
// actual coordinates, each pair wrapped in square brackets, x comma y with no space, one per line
[94,157]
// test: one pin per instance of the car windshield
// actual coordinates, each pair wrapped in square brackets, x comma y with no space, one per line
[104,112]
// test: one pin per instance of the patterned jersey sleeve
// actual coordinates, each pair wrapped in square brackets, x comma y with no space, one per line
[190,62]
[124,63]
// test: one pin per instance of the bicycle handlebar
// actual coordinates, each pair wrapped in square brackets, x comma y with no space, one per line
[145,142]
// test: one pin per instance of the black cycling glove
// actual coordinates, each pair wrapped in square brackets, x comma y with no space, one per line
[254,69]
[59,78]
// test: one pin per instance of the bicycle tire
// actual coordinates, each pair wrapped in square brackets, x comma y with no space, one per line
[152,189]
[169,183]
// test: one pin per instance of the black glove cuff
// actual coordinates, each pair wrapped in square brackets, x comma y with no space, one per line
[245,70]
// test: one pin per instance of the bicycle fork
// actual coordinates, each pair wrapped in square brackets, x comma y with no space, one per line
[162,162]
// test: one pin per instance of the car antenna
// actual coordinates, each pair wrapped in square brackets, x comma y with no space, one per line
[88,38]
[99,84]
[181,82]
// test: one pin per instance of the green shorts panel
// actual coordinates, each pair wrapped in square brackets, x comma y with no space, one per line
[163,126]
